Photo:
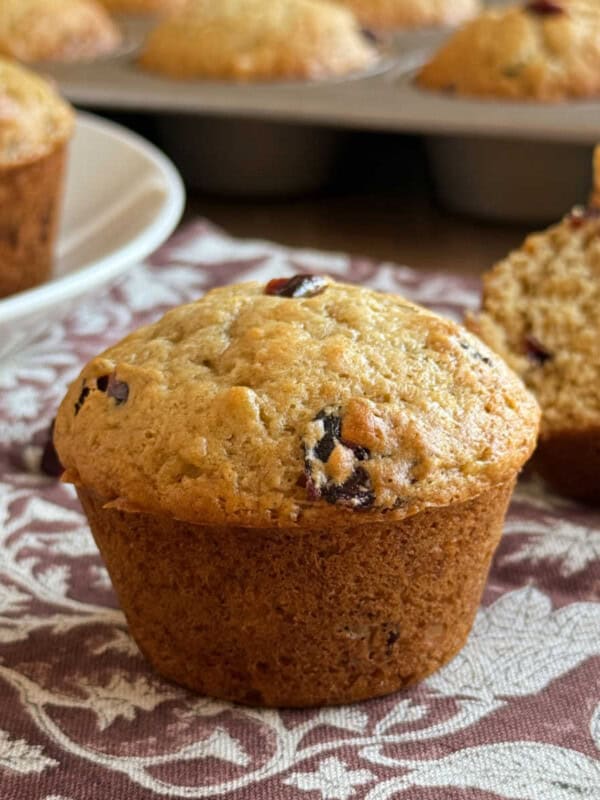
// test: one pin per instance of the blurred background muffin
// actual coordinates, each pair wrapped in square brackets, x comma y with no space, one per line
[35,126]
[253,40]
[382,14]
[56,30]
[143,6]
[542,50]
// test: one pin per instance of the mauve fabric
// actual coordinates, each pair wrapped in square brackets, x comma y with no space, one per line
[82,716]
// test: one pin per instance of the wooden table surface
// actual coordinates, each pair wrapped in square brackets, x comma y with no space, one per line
[380,225]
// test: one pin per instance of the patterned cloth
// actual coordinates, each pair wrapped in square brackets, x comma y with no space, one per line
[82,716]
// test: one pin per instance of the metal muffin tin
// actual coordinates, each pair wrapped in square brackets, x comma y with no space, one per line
[474,133]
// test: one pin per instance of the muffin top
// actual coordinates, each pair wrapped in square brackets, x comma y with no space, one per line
[295,402]
[56,30]
[547,50]
[254,40]
[382,14]
[541,313]
[143,6]
[34,119]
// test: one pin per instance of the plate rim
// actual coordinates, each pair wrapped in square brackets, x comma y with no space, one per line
[105,269]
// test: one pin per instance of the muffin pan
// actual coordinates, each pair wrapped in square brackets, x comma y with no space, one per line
[385,99]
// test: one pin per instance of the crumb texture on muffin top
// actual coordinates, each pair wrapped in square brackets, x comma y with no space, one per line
[56,30]
[541,313]
[254,40]
[34,119]
[271,406]
[547,50]
[383,14]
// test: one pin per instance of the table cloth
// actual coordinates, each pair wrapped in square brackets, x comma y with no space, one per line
[82,716]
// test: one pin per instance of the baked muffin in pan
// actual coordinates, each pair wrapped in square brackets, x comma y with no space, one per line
[545,50]
[56,30]
[247,40]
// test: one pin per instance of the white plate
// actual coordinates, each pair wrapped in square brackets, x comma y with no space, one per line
[123,198]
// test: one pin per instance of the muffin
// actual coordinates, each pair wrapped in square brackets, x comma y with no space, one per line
[390,14]
[143,6]
[297,488]
[56,30]
[543,51]
[35,127]
[249,40]
[540,312]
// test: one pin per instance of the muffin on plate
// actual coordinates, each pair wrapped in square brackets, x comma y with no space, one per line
[398,14]
[56,30]
[253,40]
[547,50]
[143,6]
[541,313]
[35,127]
[297,487]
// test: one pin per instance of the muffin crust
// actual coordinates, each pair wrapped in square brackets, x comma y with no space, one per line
[143,6]
[34,119]
[265,410]
[390,14]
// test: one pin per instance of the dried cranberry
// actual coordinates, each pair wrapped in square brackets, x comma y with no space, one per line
[332,425]
[82,398]
[580,215]
[392,638]
[298,286]
[544,8]
[50,463]
[118,390]
[536,351]
[356,492]
[370,36]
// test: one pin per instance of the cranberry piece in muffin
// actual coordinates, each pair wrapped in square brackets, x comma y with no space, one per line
[298,286]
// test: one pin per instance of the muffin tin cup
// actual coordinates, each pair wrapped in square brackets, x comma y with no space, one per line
[524,181]
[292,617]
[384,98]
[244,157]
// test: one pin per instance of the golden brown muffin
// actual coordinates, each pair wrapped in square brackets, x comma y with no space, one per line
[297,488]
[547,50]
[56,30]
[540,312]
[390,14]
[143,6]
[35,126]
[253,40]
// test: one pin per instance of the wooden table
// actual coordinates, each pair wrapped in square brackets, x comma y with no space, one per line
[380,225]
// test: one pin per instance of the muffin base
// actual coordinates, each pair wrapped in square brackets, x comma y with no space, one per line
[291,618]
[570,463]
[30,204]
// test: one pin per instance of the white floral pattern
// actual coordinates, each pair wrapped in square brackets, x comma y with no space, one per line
[515,715]
[333,780]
